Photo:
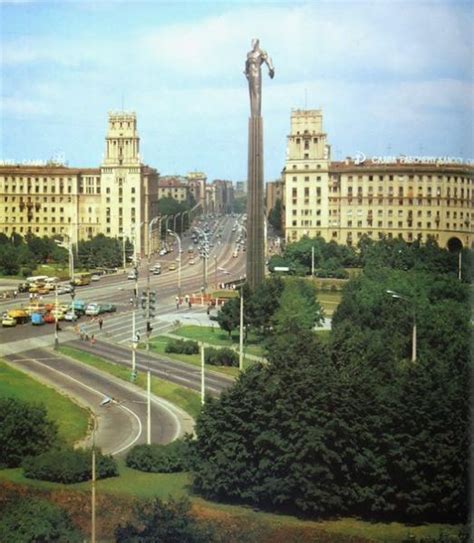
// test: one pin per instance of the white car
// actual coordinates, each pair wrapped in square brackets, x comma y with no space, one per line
[70,316]
[132,275]
[92,309]
[95,277]
[162,252]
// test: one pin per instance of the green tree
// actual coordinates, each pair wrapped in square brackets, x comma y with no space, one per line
[9,263]
[24,431]
[274,217]
[28,520]
[228,317]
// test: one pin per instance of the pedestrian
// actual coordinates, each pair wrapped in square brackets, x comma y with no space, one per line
[101,322]
[208,311]
[31,296]
[190,304]
[177,302]
[15,294]
[92,339]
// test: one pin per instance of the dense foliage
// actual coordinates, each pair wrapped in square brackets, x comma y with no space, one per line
[331,259]
[18,254]
[262,305]
[159,458]
[221,357]
[352,427]
[24,431]
[33,519]
[102,252]
[166,522]
[68,466]
[170,207]
[182,347]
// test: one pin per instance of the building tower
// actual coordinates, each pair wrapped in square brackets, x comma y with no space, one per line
[306,176]
[124,198]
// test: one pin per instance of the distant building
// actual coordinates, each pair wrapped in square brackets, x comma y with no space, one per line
[273,192]
[406,197]
[197,187]
[240,189]
[223,196]
[174,187]
[53,199]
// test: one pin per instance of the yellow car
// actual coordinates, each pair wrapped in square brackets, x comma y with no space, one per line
[172,267]
[58,314]
[8,321]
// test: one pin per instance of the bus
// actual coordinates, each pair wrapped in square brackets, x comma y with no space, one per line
[36,282]
[81,279]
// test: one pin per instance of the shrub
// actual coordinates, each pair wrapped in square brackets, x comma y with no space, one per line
[156,458]
[68,466]
[24,431]
[221,357]
[34,519]
[181,346]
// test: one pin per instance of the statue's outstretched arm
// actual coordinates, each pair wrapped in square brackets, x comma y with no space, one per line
[269,63]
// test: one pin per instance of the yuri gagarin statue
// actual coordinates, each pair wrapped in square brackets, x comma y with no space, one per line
[253,72]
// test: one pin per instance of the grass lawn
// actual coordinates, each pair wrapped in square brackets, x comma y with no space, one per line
[130,482]
[71,419]
[215,336]
[158,344]
[329,300]
[181,396]
[163,485]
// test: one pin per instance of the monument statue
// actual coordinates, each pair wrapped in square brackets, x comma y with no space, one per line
[253,72]
[255,266]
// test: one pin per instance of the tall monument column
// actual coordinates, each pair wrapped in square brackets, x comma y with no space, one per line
[255,208]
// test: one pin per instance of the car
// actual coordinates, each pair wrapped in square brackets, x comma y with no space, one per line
[9,322]
[58,314]
[70,316]
[191,250]
[95,277]
[37,319]
[108,308]
[92,309]
[64,289]
[157,271]
[49,318]
[132,275]
[162,252]
[192,262]
[172,267]
[235,254]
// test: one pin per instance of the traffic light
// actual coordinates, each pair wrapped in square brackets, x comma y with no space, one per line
[149,328]
[152,302]
[144,300]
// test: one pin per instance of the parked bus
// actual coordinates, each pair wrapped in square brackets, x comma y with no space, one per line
[81,279]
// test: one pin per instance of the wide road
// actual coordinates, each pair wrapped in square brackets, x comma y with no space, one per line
[121,423]
[176,372]
[117,289]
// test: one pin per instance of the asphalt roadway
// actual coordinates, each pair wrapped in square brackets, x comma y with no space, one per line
[121,423]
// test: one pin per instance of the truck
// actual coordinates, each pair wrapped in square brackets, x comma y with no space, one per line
[37,319]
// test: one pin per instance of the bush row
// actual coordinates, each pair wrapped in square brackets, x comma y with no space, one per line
[221,357]
[181,346]
[68,466]
[155,458]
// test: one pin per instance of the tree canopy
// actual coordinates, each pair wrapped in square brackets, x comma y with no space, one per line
[24,431]
[351,426]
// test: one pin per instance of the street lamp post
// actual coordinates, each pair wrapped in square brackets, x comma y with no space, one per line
[241,330]
[204,252]
[174,234]
[203,365]
[148,327]
[398,296]
[182,219]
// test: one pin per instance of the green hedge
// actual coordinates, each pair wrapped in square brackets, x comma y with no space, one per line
[156,458]
[221,357]
[68,466]
[181,346]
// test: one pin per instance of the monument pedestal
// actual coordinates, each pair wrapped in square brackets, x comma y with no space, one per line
[255,207]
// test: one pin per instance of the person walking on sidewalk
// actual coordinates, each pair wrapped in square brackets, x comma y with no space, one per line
[101,322]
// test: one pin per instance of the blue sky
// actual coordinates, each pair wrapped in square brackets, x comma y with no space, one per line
[392,77]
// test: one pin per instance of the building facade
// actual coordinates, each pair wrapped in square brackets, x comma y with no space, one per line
[273,192]
[174,187]
[382,197]
[80,203]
